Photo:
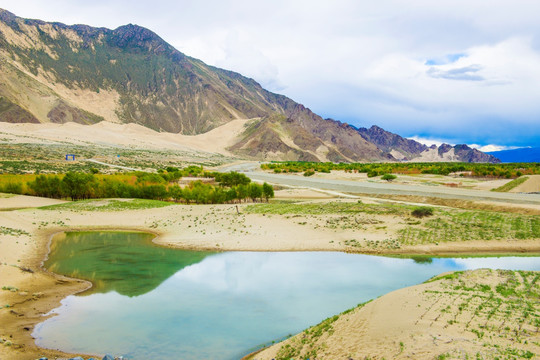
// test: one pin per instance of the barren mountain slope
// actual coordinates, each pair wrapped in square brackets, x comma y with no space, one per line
[51,72]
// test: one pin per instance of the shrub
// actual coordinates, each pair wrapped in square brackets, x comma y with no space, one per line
[309,173]
[422,211]
[389,177]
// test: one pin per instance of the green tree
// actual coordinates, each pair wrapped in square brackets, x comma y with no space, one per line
[154,191]
[268,191]
[242,191]
[77,186]
[255,192]
[176,193]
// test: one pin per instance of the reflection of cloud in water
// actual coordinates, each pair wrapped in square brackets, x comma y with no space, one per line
[507,263]
[254,272]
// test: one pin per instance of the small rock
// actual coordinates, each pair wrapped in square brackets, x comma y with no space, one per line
[76,358]
[108,357]
[43,358]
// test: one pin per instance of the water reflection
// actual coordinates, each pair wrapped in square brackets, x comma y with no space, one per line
[220,306]
[125,262]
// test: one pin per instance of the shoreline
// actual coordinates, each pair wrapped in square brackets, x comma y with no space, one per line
[66,286]
[175,226]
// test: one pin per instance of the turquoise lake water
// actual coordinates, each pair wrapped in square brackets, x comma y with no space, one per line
[155,302]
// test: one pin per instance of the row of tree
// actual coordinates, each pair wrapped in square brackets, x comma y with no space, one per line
[233,187]
[502,170]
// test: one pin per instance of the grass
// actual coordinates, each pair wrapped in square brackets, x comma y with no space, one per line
[497,311]
[306,345]
[454,225]
[11,231]
[444,225]
[327,208]
[509,310]
[108,205]
[512,184]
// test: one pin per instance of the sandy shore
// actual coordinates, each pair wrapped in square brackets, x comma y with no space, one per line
[462,317]
[34,292]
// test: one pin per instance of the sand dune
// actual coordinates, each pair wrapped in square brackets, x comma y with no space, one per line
[124,135]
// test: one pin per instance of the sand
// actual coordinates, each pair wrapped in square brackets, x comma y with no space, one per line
[444,319]
[205,227]
[21,202]
[532,184]
[123,136]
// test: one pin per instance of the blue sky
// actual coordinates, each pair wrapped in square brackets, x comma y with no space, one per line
[446,71]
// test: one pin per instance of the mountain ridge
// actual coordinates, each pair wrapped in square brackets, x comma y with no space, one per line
[407,149]
[52,72]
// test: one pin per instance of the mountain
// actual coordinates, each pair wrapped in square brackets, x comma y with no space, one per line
[518,155]
[411,150]
[55,73]
[51,72]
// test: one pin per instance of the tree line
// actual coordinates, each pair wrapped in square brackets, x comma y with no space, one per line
[230,187]
[502,170]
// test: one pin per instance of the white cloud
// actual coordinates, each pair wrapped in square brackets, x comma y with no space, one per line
[429,141]
[416,67]
[492,147]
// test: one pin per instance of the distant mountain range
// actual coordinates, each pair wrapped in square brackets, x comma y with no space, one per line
[51,72]
[518,155]
[406,149]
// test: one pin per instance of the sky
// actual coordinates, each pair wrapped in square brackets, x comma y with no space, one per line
[459,71]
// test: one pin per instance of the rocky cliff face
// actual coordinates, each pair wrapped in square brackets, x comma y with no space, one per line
[411,150]
[388,141]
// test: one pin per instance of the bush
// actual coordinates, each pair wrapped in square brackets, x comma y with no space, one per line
[422,211]
[309,173]
[388,177]
[12,188]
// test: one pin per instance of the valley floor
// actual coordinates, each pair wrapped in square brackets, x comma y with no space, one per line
[297,220]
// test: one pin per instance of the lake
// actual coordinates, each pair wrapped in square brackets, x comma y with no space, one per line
[154,302]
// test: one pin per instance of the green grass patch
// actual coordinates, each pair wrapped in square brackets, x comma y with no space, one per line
[108,205]
[471,225]
[327,208]
[512,184]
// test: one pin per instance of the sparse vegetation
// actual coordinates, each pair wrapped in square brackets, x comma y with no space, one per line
[494,311]
[306,345]
[12,232]
[108,205]
[455,225]
[333,207]
[512,184]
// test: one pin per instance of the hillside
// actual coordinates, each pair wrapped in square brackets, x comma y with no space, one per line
[56,73]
